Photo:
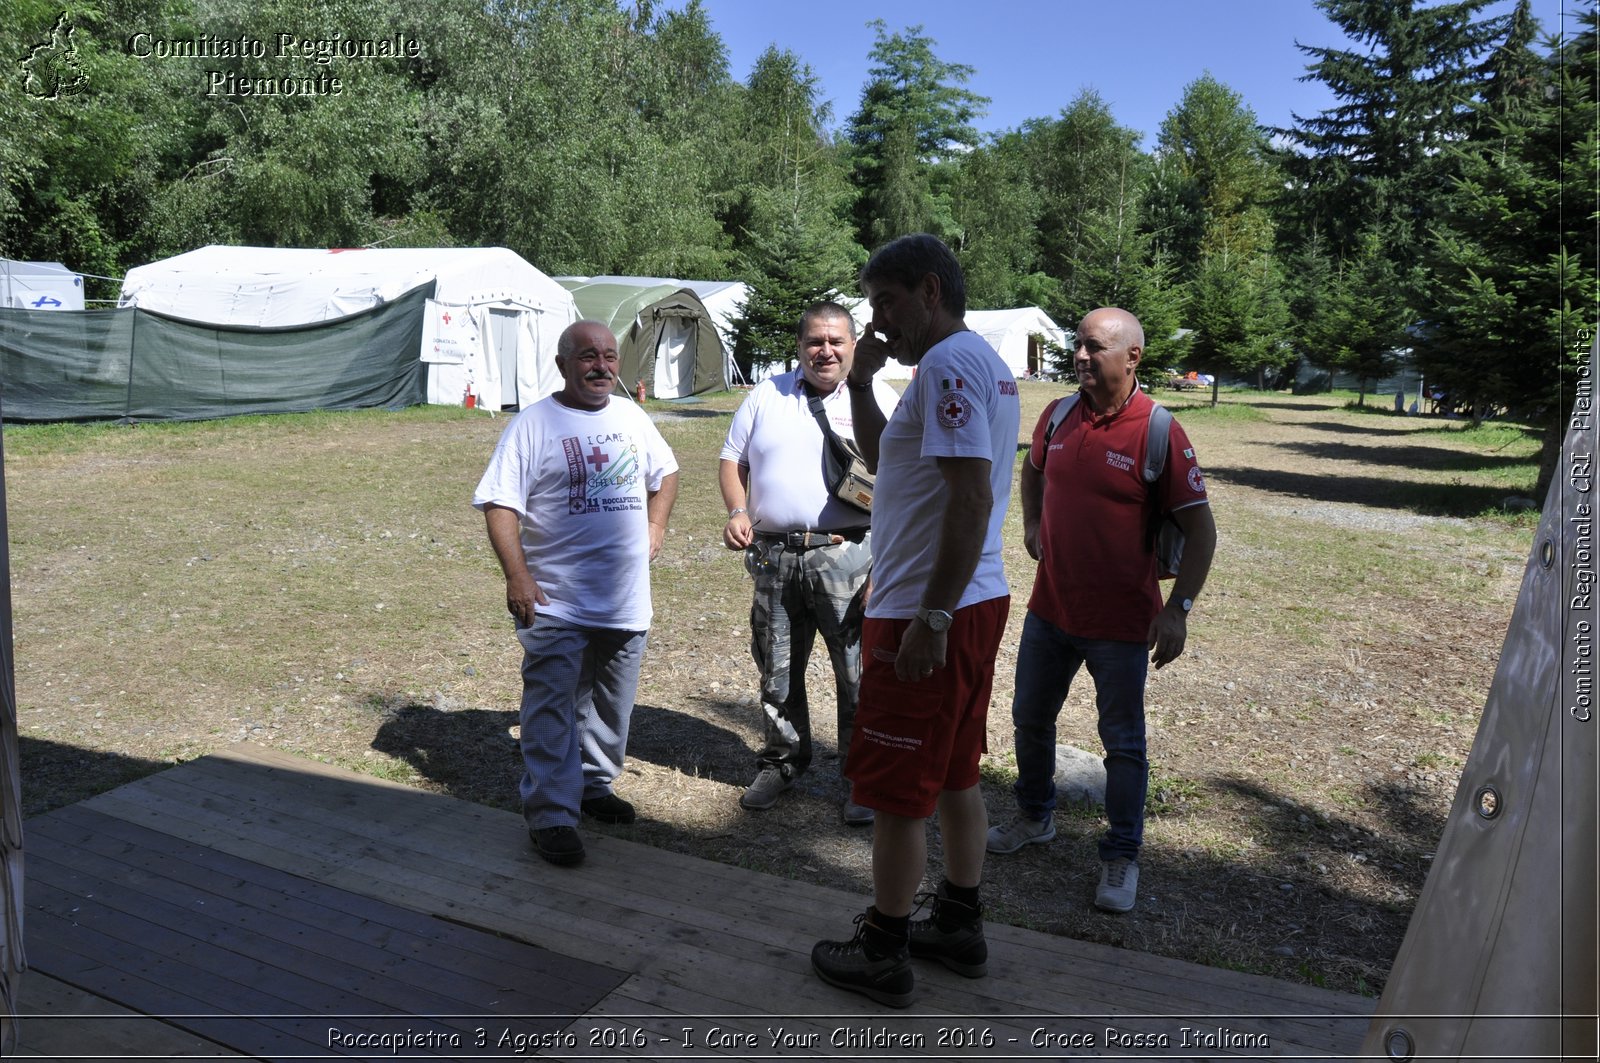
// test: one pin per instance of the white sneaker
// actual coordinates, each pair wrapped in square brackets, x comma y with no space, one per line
[1023,831]
[1119,884]
[763,793]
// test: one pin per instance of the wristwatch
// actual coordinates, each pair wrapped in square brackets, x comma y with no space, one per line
[1186,604]
[936,619]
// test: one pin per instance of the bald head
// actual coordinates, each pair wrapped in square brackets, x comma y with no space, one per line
[583,334]
[1109,345]
[1123,325]
[586,357]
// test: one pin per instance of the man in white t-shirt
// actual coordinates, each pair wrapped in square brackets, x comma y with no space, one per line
[576,499]
[807,551]
[934,618]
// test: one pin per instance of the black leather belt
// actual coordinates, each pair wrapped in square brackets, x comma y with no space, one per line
[806,540]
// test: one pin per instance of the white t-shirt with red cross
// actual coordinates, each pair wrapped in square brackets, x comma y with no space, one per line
[962,403]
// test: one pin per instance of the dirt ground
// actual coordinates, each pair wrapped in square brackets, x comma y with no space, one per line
[324,588]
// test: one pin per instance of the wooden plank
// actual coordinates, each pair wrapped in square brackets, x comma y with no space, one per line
[129,969]
[661,870]
[125,976]
[471,966]
[1113,973]
[227,957]
[61,1020]
[1110,986]
[170,933]
[585,924]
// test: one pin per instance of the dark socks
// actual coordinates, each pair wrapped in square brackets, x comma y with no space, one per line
[886,934]
[959,908]
[967,895]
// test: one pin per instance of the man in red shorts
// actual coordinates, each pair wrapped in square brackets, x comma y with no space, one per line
[934,619]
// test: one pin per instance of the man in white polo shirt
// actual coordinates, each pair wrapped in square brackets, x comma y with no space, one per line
[808,551]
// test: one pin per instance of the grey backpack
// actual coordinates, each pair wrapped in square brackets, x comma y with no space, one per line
[1165,534]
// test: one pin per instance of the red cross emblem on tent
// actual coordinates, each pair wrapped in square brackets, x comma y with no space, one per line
[598,458]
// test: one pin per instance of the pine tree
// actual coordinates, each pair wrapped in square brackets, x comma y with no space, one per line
[1310,273]
[1090,178]
[1513,260]
[1159,301]
[800,263]
[1238,317]
[914,112]
[1366,317]
[996,207]
[1404,91]
[1208,209]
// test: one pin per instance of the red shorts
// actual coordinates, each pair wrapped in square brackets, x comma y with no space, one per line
[914,740]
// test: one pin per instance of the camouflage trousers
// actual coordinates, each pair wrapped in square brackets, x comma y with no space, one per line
[800,594]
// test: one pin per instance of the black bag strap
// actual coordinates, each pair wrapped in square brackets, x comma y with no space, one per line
[844,450]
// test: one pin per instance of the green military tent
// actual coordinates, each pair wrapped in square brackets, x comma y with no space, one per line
[664,335]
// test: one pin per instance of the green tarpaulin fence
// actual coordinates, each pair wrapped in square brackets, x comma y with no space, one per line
[133,365]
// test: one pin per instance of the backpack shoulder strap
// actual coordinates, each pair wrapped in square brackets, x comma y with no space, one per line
[1155,442]
[1058,415]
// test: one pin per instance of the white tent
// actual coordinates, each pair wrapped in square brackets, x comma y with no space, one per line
[723,300]
[1014,334]
[39,286]
[491,325]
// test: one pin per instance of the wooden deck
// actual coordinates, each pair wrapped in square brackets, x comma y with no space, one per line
[254,904]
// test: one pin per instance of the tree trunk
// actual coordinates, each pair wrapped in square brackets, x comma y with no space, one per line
[1215,383]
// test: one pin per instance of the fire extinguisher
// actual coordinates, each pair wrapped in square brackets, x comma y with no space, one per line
[471,400]
[638,392]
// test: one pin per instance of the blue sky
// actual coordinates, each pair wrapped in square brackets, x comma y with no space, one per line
[1033,57]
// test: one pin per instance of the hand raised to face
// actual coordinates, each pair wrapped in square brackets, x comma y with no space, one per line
[872,353]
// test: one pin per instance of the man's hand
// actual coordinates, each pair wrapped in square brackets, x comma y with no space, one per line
[871,355]
[1030,538]
[1168,632]
[658,535]
[737,533]
[523,595]
[921,651]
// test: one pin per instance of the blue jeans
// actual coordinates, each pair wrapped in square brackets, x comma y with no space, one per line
[1047,660]
[577,698]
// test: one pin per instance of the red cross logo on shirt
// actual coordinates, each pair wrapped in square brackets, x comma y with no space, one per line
[598,459]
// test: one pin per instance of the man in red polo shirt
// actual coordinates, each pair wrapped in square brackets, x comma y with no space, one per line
[1087,515]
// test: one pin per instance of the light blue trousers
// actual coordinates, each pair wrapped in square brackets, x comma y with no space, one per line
[578,686]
